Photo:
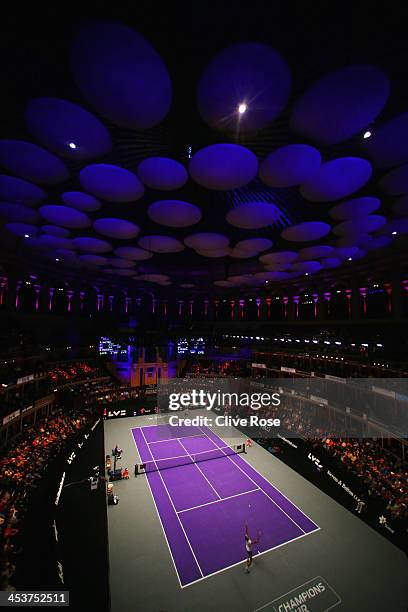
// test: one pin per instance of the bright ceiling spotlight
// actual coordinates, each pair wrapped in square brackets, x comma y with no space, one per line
[26,235]
[366,134]
[56,259]
[72,145]
[242,108]
[394,233]
[349,259]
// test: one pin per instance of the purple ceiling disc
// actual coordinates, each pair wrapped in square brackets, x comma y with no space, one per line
[331,262]
[337,179]
[307,266]
[54,242]
[290,165]
[223,283]
[80,201]
[396,181]
[357,207]
[378,243]
[116,228]
[22,229]
[214,253]
[65,216]
[223,166]
[388,143]
[244,88]
[161,244]
[279,257]
[32,162]
[242,253]
[117,262]
[309,230]
[54,230]
[360,225]
[341,104]
[254,244]
[353,240]
[111,183]
[13,189]
[154,278]
[162,173]
[346,252]
[92,245]
[18,212]
[96,260]
[174,213]
[124,272]
[253,215]
[395,227]
[133,253]
[206,241]
[120,74]
[316,252]
[67,129]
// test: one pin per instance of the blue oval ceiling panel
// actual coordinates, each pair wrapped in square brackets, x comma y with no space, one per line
[65,216]
[18,190]
[388,143]
[303,232]
[120,74]
[244,88]
[162,173]
[174,213]
[116,228]
[80,201]
[32,162]
[341,104]
[290,165]
[337,179]
[18,212]
[67,129]
[223,166]
[111,183]
[92,245]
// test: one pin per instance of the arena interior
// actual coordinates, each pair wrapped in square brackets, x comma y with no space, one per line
[203,307]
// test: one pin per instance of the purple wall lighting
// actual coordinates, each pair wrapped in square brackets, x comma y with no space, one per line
[244,88]
[120,74]
[341,104]
[111,183]
[32,162]
[67,129]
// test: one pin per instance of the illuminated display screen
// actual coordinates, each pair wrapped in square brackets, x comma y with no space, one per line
[191,346]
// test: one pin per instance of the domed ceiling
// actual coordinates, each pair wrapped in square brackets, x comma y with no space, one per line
[279,173]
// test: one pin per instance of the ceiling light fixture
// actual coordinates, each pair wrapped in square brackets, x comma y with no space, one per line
[366,134]
[242,108]
[72,145]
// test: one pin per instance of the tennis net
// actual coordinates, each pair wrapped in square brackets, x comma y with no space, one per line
[155,465]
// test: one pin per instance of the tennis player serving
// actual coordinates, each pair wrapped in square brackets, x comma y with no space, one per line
[248,545]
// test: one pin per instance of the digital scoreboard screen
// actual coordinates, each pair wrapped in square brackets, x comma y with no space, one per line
[191,346]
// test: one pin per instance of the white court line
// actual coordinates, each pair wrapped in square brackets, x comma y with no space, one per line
[271,483]
[171,439]
[224,569]
[200,470]
[175,511]
[265,493]
[217,501]
[188,455]
[157,510]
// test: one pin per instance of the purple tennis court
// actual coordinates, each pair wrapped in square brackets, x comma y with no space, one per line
[204,505]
